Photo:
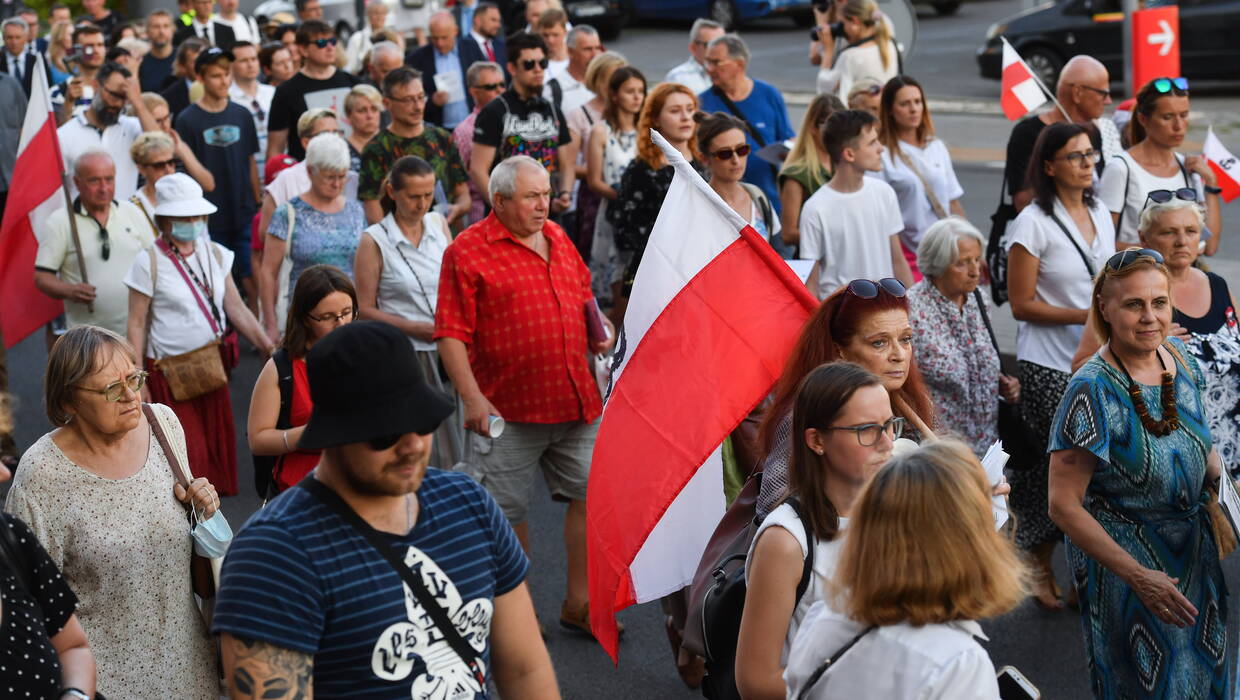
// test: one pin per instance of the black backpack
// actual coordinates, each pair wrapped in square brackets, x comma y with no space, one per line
[722,607]
[265,465]
[996,254]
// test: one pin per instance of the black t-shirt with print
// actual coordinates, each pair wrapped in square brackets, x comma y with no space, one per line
[299,93]
[516,127]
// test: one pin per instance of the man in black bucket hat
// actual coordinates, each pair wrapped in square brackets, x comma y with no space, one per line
[378,576]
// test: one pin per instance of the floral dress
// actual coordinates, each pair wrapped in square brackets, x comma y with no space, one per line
[1215,343]
[607,262]
[639,199]
[319,238]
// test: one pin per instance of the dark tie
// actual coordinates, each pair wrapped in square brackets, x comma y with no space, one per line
[205,36]
[17,67]
[490,51]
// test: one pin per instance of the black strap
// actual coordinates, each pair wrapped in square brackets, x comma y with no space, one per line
[438,615]
[809,684]
[736,112]
[1084,258]
[284,379]
[1124,202]
[981,308]
[807,569]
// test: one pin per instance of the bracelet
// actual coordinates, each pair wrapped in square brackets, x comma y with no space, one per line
[77,693]
[1210,189]
[284,436]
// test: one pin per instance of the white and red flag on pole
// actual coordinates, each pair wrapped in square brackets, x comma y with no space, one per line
[34,194]
[1021,92]
[1224,165]
[711,321]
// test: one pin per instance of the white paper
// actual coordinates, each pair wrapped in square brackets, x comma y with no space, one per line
[993,464]
[451,84]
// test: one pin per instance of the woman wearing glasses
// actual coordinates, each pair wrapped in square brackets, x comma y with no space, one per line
[1204,317]
[721,139]
[1055,246]
[153,153]
[807,166]
[1131,463]
[99,495]
[843,430]
[182,300]
[397,272]
[1158,127]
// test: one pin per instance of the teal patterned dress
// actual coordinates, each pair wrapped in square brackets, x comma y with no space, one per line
[1148,493]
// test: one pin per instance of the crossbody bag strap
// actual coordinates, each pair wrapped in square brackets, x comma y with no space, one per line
[822,668]
[161,436]
[437,613]
[215,328]
[142,207]
[1119,225]
[981,308]
[288,240]
[807,569]
[1084,258]
[935,204]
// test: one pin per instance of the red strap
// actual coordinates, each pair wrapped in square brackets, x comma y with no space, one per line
[163,245]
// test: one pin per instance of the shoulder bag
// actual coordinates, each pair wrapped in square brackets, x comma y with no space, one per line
[825,665]
[437,613]
[935,204]
[286,271]
[1012,430]
[265,465]
[200,371]
[996,254]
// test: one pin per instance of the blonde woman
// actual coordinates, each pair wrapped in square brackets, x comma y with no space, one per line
[807,166]
[922,562]
[59,46]
[870,53]
[363,109]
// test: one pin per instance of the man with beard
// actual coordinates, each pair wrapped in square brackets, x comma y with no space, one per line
[102,125]
[156,69]
[369,576]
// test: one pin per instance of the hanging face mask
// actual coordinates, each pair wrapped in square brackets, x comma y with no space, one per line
[211,536]
[186,231]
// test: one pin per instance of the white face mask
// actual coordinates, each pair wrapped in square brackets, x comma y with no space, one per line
[211,536]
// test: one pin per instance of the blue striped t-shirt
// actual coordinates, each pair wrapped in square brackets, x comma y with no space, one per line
[300,577]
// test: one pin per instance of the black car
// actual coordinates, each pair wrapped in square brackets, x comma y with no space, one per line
[1048,35]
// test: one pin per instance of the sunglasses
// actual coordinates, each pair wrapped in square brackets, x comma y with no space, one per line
[1187,194]
[529,63]
[1105,94]
[726,153]
[324,43]
[258,110]
[1124,258]
[161,164]
[491,87]
[116,390]
[1166,85]
[868,289]
[384,442]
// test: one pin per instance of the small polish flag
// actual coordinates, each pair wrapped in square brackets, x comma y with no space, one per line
[1021,92]
[1224,164]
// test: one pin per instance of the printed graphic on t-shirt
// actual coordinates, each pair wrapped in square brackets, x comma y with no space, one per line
[223,135]
[535,135]
[417,646]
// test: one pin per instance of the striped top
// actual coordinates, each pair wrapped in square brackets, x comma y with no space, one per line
[298,576]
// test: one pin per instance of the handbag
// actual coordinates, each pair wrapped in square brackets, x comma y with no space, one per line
[1012,429]
[199,371]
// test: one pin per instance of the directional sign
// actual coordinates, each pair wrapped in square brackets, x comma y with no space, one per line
[1155,44]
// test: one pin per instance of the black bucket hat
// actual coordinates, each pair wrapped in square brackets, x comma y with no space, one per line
[365,383]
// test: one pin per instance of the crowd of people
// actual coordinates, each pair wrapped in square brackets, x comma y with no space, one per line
[430,236]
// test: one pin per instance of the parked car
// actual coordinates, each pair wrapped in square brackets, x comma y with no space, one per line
[1048,35]
[729,13]
[344,15]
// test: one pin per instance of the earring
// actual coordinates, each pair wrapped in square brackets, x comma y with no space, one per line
[820,452]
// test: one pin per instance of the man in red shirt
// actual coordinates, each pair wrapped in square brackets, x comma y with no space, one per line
[511,329]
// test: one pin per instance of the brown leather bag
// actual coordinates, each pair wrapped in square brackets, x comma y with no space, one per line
[195,373]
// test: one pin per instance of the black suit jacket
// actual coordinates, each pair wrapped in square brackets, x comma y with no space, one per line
[27,69]
[224,36]
[423,59]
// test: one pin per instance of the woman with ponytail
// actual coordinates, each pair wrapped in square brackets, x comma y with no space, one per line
[871,52]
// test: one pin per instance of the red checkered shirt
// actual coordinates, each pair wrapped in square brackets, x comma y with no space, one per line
[523,320]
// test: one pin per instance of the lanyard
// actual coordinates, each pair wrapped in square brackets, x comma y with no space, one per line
[395,241]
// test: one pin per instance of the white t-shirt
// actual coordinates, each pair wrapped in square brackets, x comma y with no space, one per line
[1123,174]
[244,28]
[935,165]
[294,181]
[849,234]
[1063,279]
[178,325]
[574,92]
[893,662]
[78,136]
[128,234]
[826,555]
[263,97]
[853,65]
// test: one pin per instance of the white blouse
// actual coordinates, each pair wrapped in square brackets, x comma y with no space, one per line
[409,284]
[178,324]
[935,165]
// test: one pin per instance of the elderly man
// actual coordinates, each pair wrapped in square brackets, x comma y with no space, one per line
[19,61]
[11,131]
[692,73]
[1084,90]
[568,87]
[206,27]
[443,63]
[485,81]
[103,125]
[111,232]
[384,566]
[385,57]
[758,104]
[511,329]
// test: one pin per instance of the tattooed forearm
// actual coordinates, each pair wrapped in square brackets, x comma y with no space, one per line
[256,669]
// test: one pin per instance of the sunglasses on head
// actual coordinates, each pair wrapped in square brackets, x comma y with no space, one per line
[1166,85]
[1187,194]
[325,42]
[529,63]
[869,289]
[726,153]
[1124,258]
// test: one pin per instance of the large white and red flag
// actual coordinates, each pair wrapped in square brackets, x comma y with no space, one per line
[711,321]
[1021,92]
[1224,165]
[34,193]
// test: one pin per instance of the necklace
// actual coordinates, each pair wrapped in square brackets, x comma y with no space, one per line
[1170,421]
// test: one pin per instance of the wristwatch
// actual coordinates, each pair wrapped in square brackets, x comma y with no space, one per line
[74,693]
[1212,190]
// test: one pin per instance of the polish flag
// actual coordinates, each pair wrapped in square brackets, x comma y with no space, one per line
[1021,92]
[713,316]
[1224,165]
[36,191]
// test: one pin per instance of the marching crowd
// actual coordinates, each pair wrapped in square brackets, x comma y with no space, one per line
[431,242]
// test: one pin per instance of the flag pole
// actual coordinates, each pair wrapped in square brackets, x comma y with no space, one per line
[73,231]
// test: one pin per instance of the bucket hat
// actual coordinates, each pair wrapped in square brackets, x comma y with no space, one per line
[179,195]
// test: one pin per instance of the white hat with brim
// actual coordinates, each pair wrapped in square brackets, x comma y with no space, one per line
[179,195]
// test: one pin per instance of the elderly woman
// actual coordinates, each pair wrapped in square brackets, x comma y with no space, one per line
[921,564]
[397,273]
[182,301]
[1204,316]
[954,348]
[1131,459]
[1055,246]
[363,107]
[99,494]
[319,227]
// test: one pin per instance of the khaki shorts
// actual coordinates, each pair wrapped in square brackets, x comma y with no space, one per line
[506,466]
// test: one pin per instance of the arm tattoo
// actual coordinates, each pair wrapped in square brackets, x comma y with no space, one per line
[257,669]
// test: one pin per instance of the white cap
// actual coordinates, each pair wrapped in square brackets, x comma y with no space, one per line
[179,195]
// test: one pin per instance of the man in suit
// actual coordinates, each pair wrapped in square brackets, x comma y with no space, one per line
[19,62]
[207,28]
[487,33]
[443,63]
[37,43]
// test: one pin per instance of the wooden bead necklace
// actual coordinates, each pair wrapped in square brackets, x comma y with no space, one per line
[1171,418]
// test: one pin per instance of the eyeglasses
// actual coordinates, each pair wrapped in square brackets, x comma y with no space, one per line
[258,110]
[383,442]
[122,97]
[490,87]
[323,43]
[529,63]
[726,153]
[116,390]
[1079,158]
[338,132]
[1166,85]
[1187,194]
[1124,258]
[1106,94]
[868,289]
[161,164]
[869,433]
[410,99]
[329,317]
